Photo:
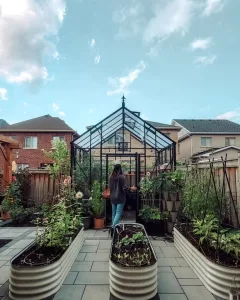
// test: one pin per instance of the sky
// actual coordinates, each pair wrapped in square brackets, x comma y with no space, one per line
[76,58]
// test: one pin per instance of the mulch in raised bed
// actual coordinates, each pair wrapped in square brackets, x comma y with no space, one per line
[131,250]
[4,242]
[220,257]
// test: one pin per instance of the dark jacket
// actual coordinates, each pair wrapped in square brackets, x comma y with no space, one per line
[117,189]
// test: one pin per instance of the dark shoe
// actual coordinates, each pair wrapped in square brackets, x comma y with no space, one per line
[111,232]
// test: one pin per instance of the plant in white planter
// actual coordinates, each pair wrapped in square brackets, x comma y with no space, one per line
[132,264]
[40,269]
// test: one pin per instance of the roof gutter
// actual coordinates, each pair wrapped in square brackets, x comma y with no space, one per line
[36,130]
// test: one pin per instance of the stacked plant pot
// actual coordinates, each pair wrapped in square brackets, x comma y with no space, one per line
[172,203]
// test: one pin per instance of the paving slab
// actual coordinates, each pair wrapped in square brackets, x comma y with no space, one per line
[191,282]
[91,243]
[197,293]
[105,244]
[184,272]
[81,257]
[164,270]
[4,274]
[170,252]
[97,257]
[100,266]
[167,262]
[22,244]
[182,262]
[168,284]
[157,250]
[99,292]
[70,292]
[4,289]
[70,279]
[81,266]
[88,249]
[158,243]
[173,297]
[92,278]
[2,263]
[103,251]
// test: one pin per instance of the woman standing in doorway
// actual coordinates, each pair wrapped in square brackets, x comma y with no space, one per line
[117,194]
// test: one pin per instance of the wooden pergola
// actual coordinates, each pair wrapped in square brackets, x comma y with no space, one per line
[6,148]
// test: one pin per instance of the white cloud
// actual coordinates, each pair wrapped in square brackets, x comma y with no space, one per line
[3,94]
[62,113]
[213,6]
[229,115]
[55,107]
[153,52]
[120,84]
[92,43]
[130,19]
[205,60]
[97,59]
[144,117]
[173,17]
[27,30]
[201,44]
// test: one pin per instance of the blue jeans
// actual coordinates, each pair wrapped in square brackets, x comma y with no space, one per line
[117,210]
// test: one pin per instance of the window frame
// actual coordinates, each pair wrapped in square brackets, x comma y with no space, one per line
[31,147]
[207,138]
[230,138]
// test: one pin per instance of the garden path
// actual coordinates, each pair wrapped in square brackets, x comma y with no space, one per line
[88,279]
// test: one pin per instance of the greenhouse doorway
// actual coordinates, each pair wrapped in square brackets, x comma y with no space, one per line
[131,169]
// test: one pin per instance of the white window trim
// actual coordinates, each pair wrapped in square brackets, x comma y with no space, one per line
[30,148]
[230,138]
[206,137]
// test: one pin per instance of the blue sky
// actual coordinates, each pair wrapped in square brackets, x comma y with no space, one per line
[75,58]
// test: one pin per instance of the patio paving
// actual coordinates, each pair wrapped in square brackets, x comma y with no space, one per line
[88,276]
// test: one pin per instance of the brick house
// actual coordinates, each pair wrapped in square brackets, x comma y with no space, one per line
[34,135]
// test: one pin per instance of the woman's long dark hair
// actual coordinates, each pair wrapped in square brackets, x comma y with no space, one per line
[117,171]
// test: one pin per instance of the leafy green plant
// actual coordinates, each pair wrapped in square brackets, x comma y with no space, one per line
[150,213]
[206,228]
[138,237]
[86,208]
[146,186]
[97,202]
[12,196]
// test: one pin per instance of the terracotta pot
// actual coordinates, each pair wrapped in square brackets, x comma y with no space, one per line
[98,223]
[6,215]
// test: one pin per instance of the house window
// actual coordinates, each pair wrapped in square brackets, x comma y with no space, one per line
[58,138]
[118,139]
[178,148]
[22,166]
[206,142]
[31,142]
[230,141]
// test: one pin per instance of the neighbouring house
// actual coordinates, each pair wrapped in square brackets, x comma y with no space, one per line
[197,138]
[34,135]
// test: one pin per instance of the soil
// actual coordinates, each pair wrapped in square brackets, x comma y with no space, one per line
[132,255]
[219,257]
[4,242]
[36,256]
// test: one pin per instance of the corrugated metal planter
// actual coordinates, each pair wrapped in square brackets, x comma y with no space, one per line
[216,278]
[138,283]
[37,283]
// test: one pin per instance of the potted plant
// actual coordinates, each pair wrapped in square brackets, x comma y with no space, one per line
[98,206]
[153,220]
[87,213]
[132,257]
[170,224]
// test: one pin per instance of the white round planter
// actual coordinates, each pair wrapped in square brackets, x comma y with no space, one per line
[37,283]
[216,278]
[128,283]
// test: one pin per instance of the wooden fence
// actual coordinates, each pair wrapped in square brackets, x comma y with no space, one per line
[43,186]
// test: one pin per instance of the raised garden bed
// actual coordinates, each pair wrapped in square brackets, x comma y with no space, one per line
[217,277]
[37,273]
[154,227]
[132,264]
